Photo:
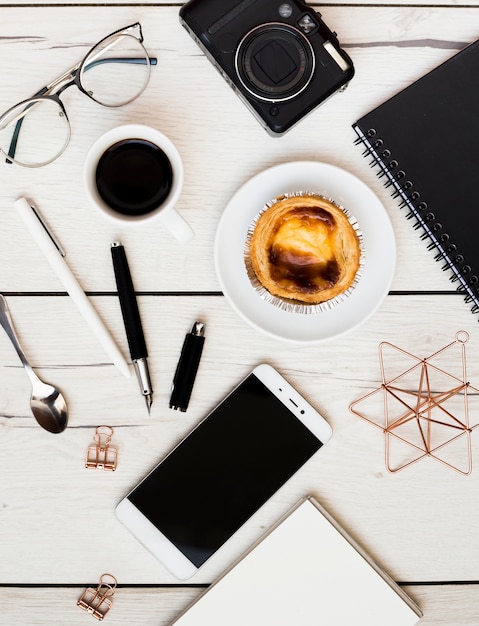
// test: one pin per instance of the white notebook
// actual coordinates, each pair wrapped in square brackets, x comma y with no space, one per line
[305,571]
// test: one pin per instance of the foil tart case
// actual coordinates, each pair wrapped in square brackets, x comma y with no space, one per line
[290,305]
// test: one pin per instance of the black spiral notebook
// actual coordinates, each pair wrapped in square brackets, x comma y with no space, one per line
[425,141]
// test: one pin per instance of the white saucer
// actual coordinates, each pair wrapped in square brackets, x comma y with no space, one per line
[346,190]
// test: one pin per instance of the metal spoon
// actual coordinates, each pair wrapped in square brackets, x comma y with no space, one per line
[47,403]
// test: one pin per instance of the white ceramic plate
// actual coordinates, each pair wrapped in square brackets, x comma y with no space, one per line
[346,190]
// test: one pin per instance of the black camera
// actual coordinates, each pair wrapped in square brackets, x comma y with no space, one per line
[279,56]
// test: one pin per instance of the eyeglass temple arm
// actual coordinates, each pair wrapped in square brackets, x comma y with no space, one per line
[16,132]
[152,61]
[18,126]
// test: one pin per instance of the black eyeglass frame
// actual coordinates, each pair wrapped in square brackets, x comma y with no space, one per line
[69,78]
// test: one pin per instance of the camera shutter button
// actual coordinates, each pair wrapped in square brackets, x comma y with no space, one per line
[285,10]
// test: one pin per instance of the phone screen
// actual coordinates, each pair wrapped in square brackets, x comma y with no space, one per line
[225,470]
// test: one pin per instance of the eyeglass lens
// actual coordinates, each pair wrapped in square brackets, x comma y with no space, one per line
[116,71]
[37,131]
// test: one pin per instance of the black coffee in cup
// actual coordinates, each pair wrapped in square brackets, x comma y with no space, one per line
[134,176]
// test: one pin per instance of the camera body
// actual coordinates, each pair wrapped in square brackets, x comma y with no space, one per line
[278,56]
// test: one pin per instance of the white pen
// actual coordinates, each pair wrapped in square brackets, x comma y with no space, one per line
[54,255]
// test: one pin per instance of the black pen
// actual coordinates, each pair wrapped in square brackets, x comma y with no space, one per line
[132,321]
[187,367]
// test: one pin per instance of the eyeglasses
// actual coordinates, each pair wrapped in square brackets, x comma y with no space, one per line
[36,131]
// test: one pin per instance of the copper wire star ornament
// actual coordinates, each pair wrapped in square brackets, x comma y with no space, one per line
[425,408]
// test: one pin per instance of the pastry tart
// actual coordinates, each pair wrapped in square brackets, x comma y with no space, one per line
[305,248]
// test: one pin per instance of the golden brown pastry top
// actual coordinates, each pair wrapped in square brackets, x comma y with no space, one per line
[305,248]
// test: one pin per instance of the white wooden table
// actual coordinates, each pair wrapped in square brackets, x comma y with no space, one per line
[58,532]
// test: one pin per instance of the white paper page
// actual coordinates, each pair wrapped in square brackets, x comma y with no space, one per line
[304,572]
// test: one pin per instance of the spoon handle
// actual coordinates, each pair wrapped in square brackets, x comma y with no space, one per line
[7,324]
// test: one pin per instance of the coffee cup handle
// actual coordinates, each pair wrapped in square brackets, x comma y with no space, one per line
[178,226]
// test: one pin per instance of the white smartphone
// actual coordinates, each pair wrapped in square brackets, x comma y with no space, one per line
[213,481]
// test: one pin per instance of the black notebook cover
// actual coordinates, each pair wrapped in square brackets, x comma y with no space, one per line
[425,140]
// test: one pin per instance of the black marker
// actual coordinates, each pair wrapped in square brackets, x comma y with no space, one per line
[187,367]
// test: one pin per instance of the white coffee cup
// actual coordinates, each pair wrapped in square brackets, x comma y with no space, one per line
[134,174]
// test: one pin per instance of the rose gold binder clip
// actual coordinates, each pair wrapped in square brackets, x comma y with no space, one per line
[423,410]
[101,455]
[98,601]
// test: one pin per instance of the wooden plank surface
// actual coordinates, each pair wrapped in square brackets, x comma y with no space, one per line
[390,47]
[432,505]
[58,532]
[444,605]
[318,7]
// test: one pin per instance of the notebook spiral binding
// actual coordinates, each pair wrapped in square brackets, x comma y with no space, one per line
[404,189]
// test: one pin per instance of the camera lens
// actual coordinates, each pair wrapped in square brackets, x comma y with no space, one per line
[275,62]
